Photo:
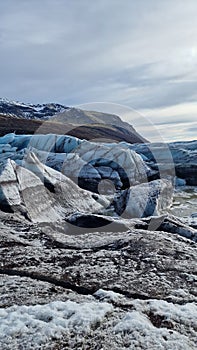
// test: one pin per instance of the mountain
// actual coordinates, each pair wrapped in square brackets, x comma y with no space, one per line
[30,111]
[81,117]
[56,118]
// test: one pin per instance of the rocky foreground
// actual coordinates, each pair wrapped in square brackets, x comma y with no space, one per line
[90,258]
[129,289]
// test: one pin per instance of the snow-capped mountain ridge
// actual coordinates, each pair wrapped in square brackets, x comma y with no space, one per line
[30,111]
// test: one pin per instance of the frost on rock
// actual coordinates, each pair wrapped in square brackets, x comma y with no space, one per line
[142,334]
[159,325]
[109,288]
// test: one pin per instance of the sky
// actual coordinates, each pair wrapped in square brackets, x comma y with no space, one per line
[139,54]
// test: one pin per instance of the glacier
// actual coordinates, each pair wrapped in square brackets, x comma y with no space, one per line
[89,251]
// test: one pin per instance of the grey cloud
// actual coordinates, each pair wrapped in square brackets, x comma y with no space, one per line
[139,53]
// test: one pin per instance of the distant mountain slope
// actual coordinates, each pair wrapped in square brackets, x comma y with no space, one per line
[78,116]
[56,118]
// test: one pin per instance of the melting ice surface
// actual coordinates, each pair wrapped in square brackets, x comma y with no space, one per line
[185,203]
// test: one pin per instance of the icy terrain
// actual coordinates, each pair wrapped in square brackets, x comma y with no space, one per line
[93,254]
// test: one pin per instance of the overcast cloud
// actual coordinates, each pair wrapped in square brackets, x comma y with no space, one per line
[142,54]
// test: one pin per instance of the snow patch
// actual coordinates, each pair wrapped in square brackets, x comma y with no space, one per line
[107,295]
[37,324]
